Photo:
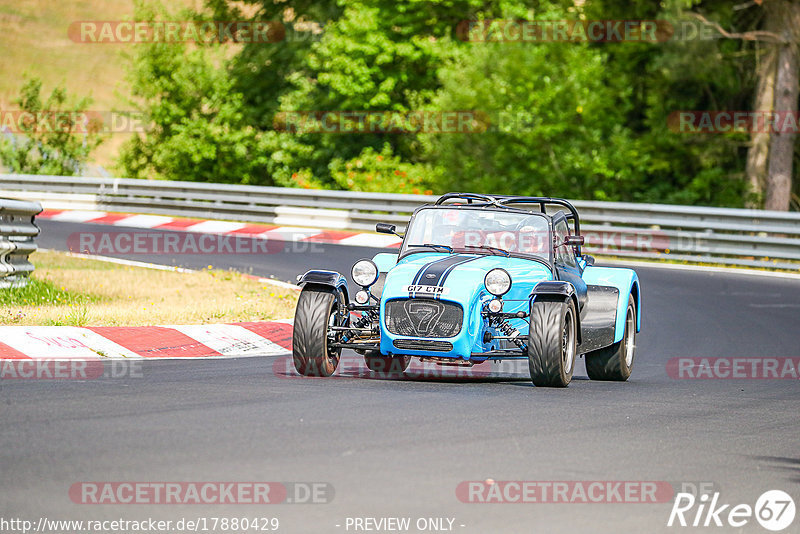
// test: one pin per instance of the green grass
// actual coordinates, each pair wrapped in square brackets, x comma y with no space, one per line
[42,293]
[76,291]
[17,302]
[77,316]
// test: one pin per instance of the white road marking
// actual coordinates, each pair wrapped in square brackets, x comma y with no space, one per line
[78,216]
[215,227]
[702,268]
[143,221]
[120,261]
[371,240]
[287,233]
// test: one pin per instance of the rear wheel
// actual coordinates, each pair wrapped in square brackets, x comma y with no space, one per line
[317,310]
[388,365]
[615,362]
[552,341]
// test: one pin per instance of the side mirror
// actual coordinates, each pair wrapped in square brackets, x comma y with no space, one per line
[574,240]
[386,228]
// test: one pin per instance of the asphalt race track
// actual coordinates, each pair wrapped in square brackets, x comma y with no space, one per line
[400,447]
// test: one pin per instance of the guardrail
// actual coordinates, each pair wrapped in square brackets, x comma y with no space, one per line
[17,234]
[740,237]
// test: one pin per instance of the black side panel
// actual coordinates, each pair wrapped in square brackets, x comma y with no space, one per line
[573,276]
[599,317]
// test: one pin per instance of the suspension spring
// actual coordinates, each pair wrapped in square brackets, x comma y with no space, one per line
[365,319]
[509,330]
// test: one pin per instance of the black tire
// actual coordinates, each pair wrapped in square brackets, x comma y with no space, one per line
[552,343]
[615,362]
[386,365]
[316,309]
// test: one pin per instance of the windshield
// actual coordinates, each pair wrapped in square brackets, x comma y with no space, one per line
[474,230]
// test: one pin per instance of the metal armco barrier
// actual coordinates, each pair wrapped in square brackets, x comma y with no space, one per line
[739,237]
[17,234]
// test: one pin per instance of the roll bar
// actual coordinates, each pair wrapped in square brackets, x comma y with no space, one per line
[506,201]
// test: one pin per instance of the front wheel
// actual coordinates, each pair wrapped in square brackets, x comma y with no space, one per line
[317,311]
[552,342]
[615,362]
[388,365]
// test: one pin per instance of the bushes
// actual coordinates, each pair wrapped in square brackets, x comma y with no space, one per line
[580,120]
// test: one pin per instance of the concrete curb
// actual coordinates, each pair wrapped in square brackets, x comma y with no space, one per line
[236,340]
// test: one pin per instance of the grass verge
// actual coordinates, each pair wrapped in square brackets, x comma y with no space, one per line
[74,291]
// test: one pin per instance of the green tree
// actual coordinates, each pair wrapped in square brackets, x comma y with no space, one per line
[262,72]
[383,171]
[582,120]
[56,137]
[376,55]
[682,73]
[557,121]
[198,125]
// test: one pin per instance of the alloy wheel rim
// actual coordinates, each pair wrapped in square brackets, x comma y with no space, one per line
[630,333]
[333,335]
[567,342]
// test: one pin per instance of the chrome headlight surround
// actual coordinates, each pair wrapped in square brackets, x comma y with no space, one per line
[364,273]
[497,282]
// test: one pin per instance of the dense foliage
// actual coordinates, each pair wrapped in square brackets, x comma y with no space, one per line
[576,119]
[51,136]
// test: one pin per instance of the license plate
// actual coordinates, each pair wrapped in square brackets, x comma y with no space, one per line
[428,290]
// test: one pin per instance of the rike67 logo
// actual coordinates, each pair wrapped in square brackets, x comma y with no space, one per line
[774,510]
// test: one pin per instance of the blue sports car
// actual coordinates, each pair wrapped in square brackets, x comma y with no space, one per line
[476,278]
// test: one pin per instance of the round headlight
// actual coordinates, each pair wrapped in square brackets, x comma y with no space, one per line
[497,282]
[364,273]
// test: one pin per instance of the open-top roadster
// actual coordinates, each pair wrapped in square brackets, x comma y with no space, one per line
[476,278]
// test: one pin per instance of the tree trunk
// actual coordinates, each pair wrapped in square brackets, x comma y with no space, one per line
[758,150]
[781,148]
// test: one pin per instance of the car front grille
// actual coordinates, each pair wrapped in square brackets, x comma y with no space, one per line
[421,344]
[423,317]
